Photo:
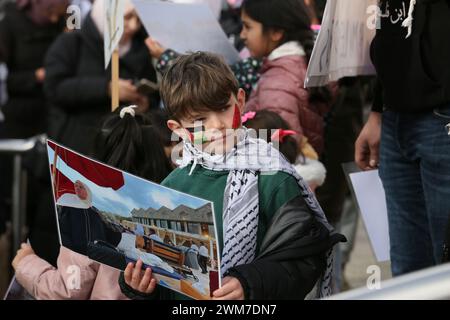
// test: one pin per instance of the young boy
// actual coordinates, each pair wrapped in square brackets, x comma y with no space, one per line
[273,238]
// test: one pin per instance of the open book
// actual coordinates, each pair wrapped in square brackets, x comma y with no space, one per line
[114,217]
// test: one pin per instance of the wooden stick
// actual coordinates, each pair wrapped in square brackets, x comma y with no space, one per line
[115,80]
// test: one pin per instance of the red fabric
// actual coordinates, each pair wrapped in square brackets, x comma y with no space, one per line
[65,185]
[279,135]
[236,118]
[213,281]
[95,172]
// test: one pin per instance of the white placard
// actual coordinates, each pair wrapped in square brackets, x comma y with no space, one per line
[114,11]
[214,5]
[185,27]
[342,47]
[371,200]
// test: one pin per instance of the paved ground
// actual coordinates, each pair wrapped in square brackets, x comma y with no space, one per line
[361,257]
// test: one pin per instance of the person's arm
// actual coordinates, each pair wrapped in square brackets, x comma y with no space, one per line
[23,82]
[138,285]
[291,257]
[62,84]
[274,97]
[268,279]
[65,226]
[368,143]
[19,82]
[165,60]
[287,267]
[247,73]
[73,278]
[113,237]
[377,105]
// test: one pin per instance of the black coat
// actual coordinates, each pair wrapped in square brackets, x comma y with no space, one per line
[23,46]
[292,256]
[291,260]
[77,83]
[413,73]
[80,227]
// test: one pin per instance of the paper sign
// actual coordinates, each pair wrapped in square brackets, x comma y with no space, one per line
[114,11]
[214,5]
[185,27]
[342,48]
[115,218]
[371,200]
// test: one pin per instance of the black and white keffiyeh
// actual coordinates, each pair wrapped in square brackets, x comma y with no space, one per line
[244,162]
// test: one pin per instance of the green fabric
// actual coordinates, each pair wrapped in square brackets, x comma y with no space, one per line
[274,191]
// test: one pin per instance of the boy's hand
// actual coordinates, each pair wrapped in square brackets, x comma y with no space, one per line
[140,281]
[368,143]
[231,290]
[156,49]
[25,250]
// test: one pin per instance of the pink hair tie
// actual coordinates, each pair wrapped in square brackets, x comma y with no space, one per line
[248,116]
[279,135]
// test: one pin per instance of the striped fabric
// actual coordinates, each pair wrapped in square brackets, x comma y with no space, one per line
[249,158]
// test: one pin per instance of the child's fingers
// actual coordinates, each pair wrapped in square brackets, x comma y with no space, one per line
[230,291]
[136,276]
[128,272]
[231,296]
[143,285]
[151,287]
[226,289]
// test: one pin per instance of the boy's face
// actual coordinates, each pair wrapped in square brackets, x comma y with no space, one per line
[212,131]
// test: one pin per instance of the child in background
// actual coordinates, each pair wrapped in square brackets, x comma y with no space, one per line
[278,33]
[308,167]
[259,200]
[128,142]
[133,143]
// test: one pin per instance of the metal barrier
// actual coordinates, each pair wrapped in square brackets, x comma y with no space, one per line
[17,148]
[428,284]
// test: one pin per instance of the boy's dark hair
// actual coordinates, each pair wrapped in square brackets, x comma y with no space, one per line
[271,121]
[197,82]
[133,145]
[159,119]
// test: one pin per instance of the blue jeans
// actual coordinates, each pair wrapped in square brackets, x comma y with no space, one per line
[415,171]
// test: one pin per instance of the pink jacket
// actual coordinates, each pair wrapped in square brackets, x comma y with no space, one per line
[44,282]
[280,89]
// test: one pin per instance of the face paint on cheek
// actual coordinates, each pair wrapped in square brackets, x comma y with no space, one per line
[196,134]
[236,117]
